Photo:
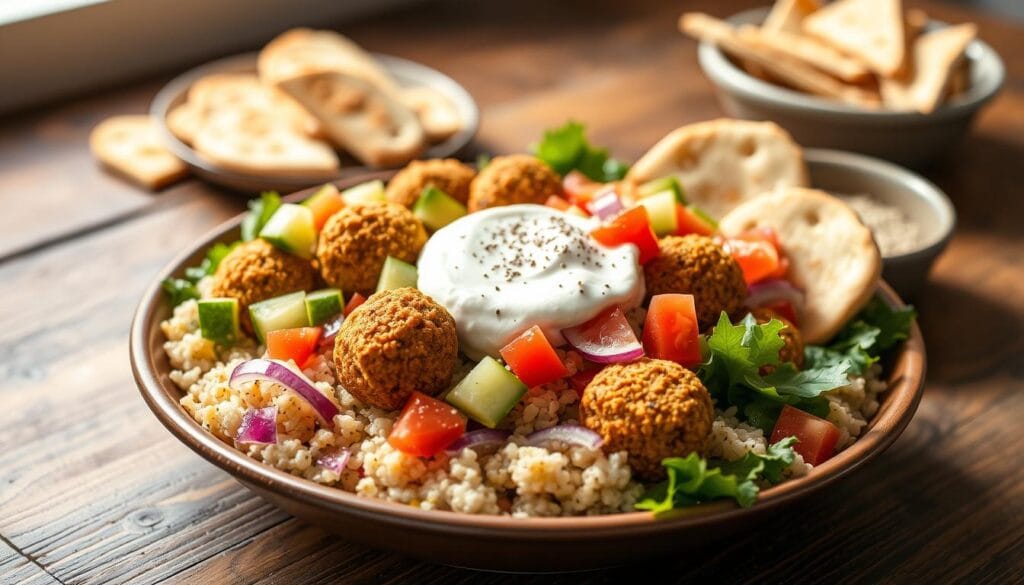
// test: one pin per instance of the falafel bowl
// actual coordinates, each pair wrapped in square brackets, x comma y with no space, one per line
[534,338]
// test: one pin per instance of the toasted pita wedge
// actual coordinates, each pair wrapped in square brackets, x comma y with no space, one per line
[792,72]
[132,147]
[436,112]
[724,162]
[870,30]
[359,117]
[809,50]
[832,255]
[936,55]
[303,51]
[786,15]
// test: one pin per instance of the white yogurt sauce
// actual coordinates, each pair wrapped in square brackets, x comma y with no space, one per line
[505,269]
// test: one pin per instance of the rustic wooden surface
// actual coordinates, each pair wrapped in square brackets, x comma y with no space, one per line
[93,489]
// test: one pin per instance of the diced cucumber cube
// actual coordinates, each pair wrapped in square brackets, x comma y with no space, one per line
[661,208]
[669,183]
[291,229]
[396,274]
[367,193]
[283,312]
[323,305]
[436,209]
[488,393]
[218,320]
[577,211]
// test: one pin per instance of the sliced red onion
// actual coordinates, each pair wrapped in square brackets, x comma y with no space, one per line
[259,427]
[566,433]
[606,205]
[335,460]
[479,438]
[330,331]
[261,370]
[605,339]
[772,291]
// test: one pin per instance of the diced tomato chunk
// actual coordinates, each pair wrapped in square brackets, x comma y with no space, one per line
[580,379]
[690,222]
[579,188]
[816,437]
[353,303]
[630,227]
[785,310]
[532,358]
[758,258]
[558,203]
[671,331]
[426,426]
[296,344]
[324,205]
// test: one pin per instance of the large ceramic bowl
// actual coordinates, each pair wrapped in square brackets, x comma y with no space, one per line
[488,542]
[908,138]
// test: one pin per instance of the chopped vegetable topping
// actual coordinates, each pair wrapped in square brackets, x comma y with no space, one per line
[731,373]
[565,149]
[693,480]
[260,212]
[179,290]
[861,343]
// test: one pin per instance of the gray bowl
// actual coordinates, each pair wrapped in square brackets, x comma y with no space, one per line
[922,202]
[909,138]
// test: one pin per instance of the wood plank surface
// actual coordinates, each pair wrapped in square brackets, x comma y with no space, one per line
[95,490]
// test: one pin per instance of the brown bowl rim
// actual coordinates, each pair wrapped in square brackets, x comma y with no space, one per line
[896,410]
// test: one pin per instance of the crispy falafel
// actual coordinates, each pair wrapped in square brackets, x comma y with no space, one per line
[356,240]
[652,409]
[397,342]
[516,178]
[447,174]
[256,271]
[793,342]
[697,265]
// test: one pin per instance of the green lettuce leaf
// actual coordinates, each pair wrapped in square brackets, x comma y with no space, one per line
[732,373]
[260,211]
[209,265]
[864,339]
[566,148]
[693,480]
[179,290]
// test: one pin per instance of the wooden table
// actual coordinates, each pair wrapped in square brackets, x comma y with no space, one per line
[93,489]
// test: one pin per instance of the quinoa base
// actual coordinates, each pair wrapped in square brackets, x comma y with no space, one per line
[518,480]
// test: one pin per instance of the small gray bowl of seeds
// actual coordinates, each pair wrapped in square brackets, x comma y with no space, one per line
[912,220]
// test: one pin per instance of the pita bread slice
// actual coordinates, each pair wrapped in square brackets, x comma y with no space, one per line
[809,50]
[254,143]
[832,255]
[870,30]
[243,91]
[936,55]
[359,117]
[437,114]
[791,72]
[786,15]
[724,162]
[132,147]
[303,51]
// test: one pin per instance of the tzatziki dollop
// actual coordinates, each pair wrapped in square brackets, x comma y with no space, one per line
[505,269]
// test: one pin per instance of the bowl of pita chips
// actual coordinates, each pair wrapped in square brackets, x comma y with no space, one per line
[311,106]
[857,75]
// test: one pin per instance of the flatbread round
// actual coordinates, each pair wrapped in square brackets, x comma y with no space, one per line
[832,254]
[724,162]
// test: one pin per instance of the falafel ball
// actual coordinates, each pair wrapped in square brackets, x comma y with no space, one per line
[793,343]
[516,178]
[697,265]
[448,175]
[356,240]
[256,271]
[652,409]
[397,342]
